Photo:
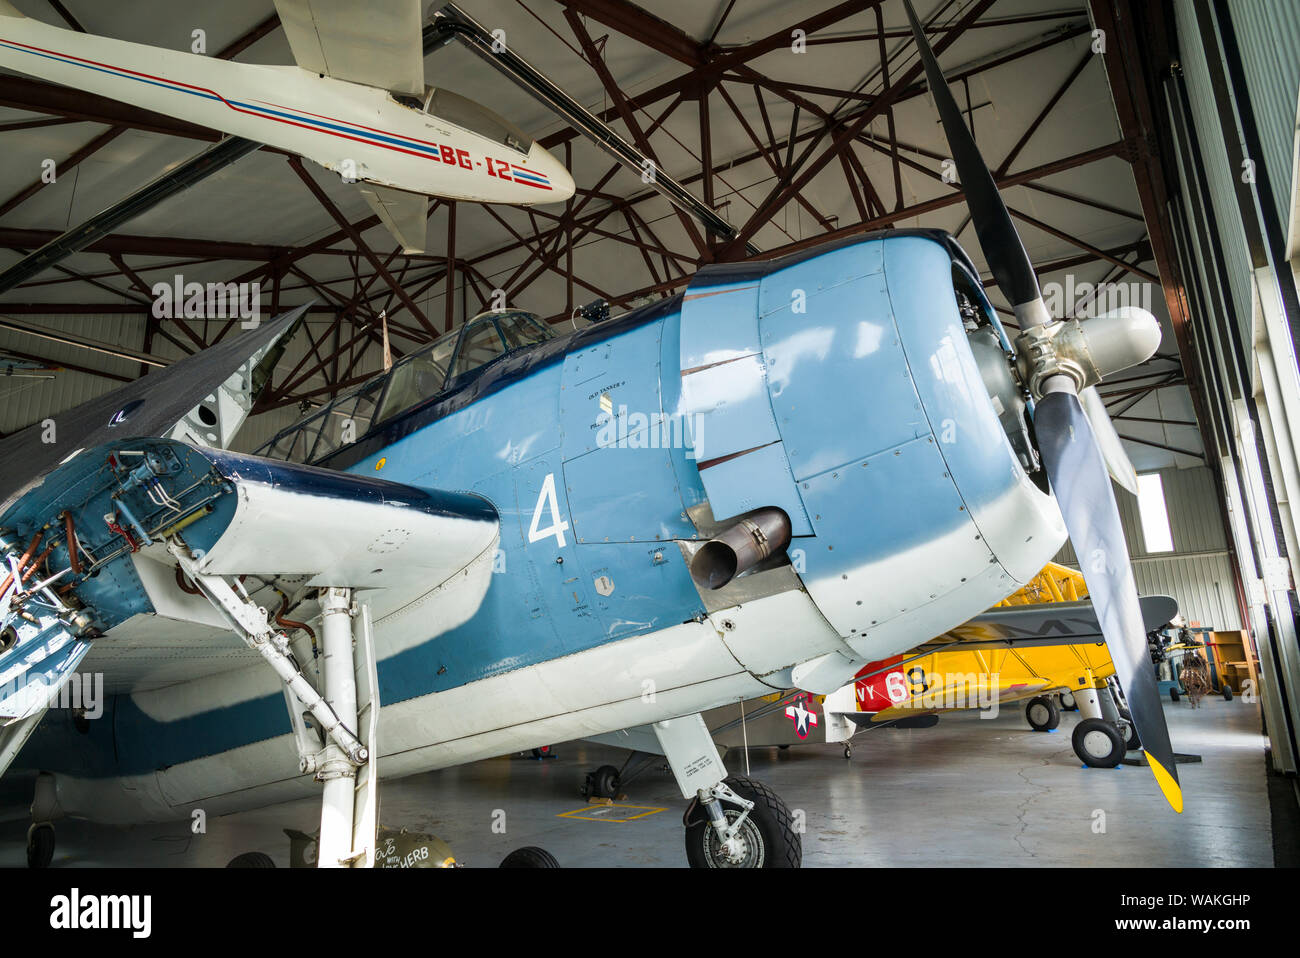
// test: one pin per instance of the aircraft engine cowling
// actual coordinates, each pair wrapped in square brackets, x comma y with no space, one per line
[858,389]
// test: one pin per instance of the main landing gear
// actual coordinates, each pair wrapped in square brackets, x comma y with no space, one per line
[1105,731]
[732,821]
[1042,714]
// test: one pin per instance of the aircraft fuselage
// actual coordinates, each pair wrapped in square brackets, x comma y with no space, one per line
[837,385]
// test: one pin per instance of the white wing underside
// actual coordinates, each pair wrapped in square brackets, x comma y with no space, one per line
[376,43]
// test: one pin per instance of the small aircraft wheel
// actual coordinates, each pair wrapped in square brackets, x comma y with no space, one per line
[1068,703]
[767,837]
[1173,695]
[1227,693]
[546,751]
[40,845]
[251,860]
[1042,714]
[530,856]
[848,750]
[1129,731]
[1097,743]
[782,748]
[605,782]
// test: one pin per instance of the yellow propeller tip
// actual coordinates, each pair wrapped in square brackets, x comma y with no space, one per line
[1173,792]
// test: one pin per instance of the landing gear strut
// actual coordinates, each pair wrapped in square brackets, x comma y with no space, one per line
[732,821]
[345,711]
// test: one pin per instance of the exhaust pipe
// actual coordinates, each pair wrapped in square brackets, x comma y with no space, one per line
[741,547]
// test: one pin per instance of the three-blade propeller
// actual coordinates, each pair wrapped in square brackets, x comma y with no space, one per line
[1073,454]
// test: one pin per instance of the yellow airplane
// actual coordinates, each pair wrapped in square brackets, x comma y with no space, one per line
[1042,644]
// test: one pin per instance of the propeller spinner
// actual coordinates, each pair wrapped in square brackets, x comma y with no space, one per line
[1062,361]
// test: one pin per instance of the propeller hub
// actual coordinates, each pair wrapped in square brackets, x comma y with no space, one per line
[1086,352]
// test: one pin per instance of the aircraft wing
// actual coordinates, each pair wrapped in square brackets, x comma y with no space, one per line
[277,529]
[377,43]
[406,215]
[1054,623]
[204,398]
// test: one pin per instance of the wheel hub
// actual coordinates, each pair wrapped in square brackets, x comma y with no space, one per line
[1096,743]
[744,849]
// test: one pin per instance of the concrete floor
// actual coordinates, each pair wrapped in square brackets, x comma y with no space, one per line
[968,792]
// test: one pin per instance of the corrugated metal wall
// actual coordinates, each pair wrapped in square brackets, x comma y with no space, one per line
[1198,573]
[1268,39]
[24,401]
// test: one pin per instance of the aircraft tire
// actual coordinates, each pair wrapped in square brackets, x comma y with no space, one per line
[605,782]
[1097,743]
[1227,693]
[40,845]
[1042,714]
[1173,695]
[769,832]
[252,860]
[1068,702]
[530,856]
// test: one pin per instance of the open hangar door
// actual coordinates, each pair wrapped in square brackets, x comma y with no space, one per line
[1215,94]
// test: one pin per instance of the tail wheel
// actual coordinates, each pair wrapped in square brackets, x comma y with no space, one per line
[1042,714]
[768,833]
[530,856]
[1227,693]
[1098,743]
[251,860]
[1173,695]
[40,845]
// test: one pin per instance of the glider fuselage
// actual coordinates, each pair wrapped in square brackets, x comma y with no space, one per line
[360,132]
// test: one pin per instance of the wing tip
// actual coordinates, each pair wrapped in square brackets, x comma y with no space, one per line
[1168,783]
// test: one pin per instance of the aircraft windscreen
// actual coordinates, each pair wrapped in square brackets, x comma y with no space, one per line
[491,335]
[468,115]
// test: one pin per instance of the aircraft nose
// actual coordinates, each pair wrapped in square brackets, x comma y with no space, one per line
[562,185]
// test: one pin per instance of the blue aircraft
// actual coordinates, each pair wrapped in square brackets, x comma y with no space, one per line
[513,538]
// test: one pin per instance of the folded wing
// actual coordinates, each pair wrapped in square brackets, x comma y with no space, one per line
[280,530]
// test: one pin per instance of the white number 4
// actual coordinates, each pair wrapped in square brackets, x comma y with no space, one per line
[547,499]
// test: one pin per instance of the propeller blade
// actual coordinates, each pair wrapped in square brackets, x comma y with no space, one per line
[1118,463]
[1079,479]
[998,238]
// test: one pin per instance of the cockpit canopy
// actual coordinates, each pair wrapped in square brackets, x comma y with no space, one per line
[465,113]
[450,362]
